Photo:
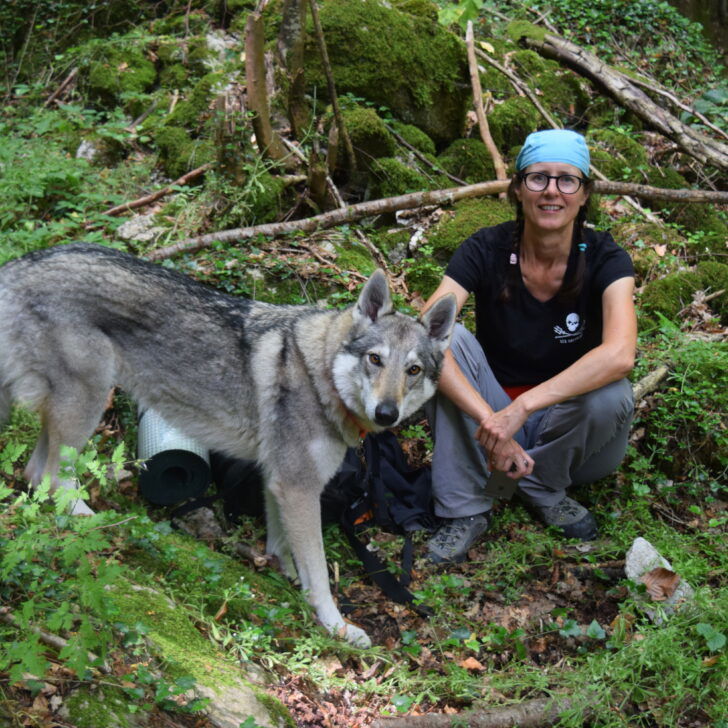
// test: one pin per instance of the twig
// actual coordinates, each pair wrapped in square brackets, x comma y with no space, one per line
[112,525]
[703,299]
[401,140]
[148,199]
[649,383]
[332,87]
[134,124]
[485,135]
[62,88]
[51,640]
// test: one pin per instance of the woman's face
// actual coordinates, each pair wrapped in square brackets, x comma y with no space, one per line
[551,209]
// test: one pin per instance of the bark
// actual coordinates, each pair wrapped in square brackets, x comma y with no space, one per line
[698,145]
[269,142]
[408,202]
[332,87]
[529,714]
[485,135]
[291,41]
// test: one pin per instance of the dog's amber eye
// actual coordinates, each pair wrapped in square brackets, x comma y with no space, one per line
[375,359]
[414,370]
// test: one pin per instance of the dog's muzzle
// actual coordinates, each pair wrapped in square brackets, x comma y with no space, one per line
[386,413]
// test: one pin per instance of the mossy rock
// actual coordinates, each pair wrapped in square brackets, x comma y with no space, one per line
[266,199]
[390,178]
[495,82]
[640,239]
[468,160]
[192,112]
[174,76]
[531,63]
[618,156]
[106,706]
[405,62]
[563,94]
[669,295]
[512,121]
[467,217]
[369,135]
[518,29]
[419,8]
[354,257]
[415,137]
[179,153]
[702,219]
[119,70]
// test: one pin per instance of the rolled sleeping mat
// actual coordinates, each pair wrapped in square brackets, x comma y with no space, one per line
[176,466]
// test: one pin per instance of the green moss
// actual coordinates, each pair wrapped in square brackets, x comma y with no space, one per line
[174,76]
[640,239]
[391,177]
[495,82]
[420,8]
[532,63]
[194,110]
[414,136]
[106,706]
[179,153]
[521,28]
[668,295]
[618,156]
[563,94]
[714,278]
[408,63]
[355,257]
[469,160]
[119,70]
[369,135]
[468,217]
[512,121]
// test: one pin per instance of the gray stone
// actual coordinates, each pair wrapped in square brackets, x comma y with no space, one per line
[643,557]
[140,228]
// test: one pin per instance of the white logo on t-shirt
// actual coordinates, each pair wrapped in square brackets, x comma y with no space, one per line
[574,332]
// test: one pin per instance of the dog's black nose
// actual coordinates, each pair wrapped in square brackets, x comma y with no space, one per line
[386,413]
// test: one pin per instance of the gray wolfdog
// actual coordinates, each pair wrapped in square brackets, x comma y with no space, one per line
[288,386]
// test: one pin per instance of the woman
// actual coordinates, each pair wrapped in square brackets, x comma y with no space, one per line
[538,398]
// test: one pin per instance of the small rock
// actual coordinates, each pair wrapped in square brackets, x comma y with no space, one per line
[643,557]
[140,228]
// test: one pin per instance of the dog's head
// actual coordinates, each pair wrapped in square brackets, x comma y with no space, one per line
[389,366]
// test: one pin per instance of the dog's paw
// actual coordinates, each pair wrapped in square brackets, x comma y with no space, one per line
[355,635]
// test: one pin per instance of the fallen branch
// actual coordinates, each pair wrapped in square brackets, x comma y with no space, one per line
[485,135]
[529,714]
[154,196]
[51,640]
[698,145]
[408,202]
[649,383]
[62,88]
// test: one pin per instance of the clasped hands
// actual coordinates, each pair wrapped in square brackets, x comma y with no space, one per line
[495,434]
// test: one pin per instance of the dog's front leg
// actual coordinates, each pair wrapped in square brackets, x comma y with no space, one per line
[276,542]
[300,517]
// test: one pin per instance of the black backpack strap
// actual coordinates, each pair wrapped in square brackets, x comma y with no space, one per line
[202,501]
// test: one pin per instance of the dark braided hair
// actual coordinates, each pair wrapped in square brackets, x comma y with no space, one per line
[571,286]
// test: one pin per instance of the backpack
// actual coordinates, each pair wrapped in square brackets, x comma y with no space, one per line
[376,487]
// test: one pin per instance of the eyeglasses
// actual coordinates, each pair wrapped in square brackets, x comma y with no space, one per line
[566,183]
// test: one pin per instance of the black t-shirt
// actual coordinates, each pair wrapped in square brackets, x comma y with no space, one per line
[528,341]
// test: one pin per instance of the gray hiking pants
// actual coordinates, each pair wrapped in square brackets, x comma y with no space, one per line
[577,441]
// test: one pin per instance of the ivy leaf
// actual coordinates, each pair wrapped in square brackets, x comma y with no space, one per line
[595,631]
[714,639]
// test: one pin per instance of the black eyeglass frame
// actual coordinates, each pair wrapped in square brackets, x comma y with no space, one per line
[558,177]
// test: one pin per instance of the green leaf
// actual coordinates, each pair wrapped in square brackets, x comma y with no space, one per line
[714,639]
[570,629]
[595,631]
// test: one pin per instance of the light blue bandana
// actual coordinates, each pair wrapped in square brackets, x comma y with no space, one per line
[554,145]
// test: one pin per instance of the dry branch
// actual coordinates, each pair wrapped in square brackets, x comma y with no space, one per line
[407,202]
[698,145]
[62,88]
[529,714]
[649,383]
[485,135]
[154,196]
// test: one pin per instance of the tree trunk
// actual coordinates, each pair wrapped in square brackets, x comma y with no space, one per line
[698,145]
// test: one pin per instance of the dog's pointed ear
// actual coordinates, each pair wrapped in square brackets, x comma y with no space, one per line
[439,319]
[374,300]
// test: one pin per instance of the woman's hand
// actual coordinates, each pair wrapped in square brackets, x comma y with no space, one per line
[495,434]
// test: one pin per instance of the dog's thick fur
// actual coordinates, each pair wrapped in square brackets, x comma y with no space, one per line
[289,386]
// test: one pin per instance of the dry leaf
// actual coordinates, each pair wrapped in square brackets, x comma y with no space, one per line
[660,250]
[487,46]
[470,663]
[660,582]
[221,612]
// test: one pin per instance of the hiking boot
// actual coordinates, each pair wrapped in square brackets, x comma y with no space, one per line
[453,539]
[571,518]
